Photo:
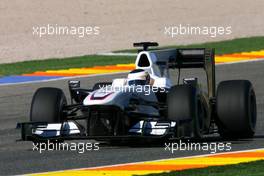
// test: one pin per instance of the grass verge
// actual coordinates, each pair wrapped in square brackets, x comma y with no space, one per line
[222,47]
[246,169]
[55,64]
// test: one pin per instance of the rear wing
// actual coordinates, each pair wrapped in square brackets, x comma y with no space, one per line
[197,58]
[189,58]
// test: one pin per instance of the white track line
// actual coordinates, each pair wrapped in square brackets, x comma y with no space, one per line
[95,75]
[158,160]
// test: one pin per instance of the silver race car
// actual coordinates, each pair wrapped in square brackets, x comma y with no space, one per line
[146,104]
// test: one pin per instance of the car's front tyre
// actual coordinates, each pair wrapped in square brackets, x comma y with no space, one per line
[184,105]
[47,105]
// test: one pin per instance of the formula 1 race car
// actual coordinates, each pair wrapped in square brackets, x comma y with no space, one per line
[147,104]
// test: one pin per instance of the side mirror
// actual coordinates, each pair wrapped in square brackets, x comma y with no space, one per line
[73,84]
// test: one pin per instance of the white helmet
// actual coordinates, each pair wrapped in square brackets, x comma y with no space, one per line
[138,77]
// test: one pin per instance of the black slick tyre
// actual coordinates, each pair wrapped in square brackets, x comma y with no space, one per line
[236,109]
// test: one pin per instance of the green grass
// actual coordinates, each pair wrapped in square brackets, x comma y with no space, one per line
[53,64]
[255,168]
[222,47]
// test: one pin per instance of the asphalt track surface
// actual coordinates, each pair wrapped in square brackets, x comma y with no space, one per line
[17,157]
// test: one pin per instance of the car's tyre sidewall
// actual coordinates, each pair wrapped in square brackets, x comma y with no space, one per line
[236,109]
[47,105]
[182,101]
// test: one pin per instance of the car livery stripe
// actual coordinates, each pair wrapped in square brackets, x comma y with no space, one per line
[119,68]
[166,165]
[93,97]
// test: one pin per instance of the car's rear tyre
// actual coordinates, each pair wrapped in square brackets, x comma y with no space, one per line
[236,109]
[47,105]
[183,105]
[101,85]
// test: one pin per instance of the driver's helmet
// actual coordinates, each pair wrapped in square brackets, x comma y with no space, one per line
[138,77]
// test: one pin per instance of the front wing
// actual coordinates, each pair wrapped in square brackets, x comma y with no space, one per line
[36,131]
